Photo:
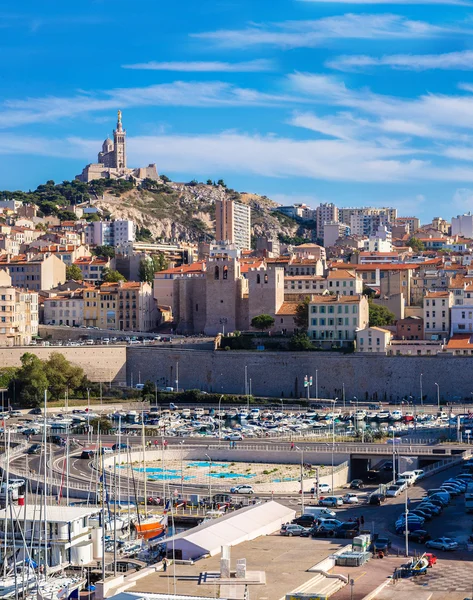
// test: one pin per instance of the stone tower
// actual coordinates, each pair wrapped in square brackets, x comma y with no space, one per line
[119,150]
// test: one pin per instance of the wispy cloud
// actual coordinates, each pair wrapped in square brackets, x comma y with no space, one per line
[409,62]
[299,34]
[250,66]
[269,156]
[15,113]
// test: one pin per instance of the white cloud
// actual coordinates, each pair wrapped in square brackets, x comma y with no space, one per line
[15,113]
[250,66]
[299,34]
[413,62]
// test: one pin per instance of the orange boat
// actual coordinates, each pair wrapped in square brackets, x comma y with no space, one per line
[151,524]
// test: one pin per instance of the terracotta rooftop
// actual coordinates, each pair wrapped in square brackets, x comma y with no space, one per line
[197,267]
[460,341]
[288,308]
[437,295]
[341,274]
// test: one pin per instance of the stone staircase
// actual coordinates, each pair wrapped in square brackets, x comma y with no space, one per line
[322,585]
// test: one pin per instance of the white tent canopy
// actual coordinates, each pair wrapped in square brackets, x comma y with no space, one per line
[232,529]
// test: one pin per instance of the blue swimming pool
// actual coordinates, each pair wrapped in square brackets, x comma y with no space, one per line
[232,475]
[207,464]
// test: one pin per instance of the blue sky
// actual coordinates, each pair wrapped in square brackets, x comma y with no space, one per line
[363,102]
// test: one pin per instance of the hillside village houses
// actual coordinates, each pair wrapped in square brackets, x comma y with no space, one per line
[351,259]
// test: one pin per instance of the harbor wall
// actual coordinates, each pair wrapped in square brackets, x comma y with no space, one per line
[281,374]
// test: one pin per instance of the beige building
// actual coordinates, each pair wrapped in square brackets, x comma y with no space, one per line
[437,315]
[92,267]
[341,281]
[373,339]
[233,223]
[35,274]
[67,308]
[125,306]
[335,319]
[18,313]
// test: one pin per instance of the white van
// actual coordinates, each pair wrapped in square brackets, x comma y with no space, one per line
[409,476]
[319,512]
[419,474]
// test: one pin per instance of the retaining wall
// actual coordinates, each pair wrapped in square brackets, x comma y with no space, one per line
[281,374]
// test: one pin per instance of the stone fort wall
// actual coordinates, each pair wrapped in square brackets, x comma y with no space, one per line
[281,374]
[103,363]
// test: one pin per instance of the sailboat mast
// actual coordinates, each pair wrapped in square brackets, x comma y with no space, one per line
[45,516]
[144,459]
[5,540]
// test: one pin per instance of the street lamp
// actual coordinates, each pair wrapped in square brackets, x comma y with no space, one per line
[219,420]
[316,384]
[301,450]
[421,394]
[438,396]
[210,478]
[181,444]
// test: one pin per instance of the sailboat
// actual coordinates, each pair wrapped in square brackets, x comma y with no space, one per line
[150,525]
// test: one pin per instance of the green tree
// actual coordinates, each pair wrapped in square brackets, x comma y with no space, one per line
[112,276]
[146,270]
[74,272]
[160,262]
[262,322]
[100,424]
[416,244]
[209,182]
[148,390]
[301,318]
[105,251]
[30,381]
[380,315]
[62,375]
[300,341]
[221,182]
[164,178]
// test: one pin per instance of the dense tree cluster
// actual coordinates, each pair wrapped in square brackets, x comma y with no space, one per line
[28,383]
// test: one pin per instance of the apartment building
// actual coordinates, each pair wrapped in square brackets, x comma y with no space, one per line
[380,241]
[333,230]
[110,233]
[365,220]
[67,308]
[339,281]
[373,339]
[92,267]
[336,319]
[410,328]
[325,213]
[125,306]
[37,273]
[18,313]
[437,315]
[233,223]
[412,223]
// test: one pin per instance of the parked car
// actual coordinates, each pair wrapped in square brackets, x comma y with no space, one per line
[419,473]
[442,543]
[292,529]
[347,530]
[419,537]
[35,411]
[357,484]
[393,491]
[411,526]
[234,437]
[435,508]
[330,525]
[34,449]
[425,514]
[350,499]
[305,520]
[377,499]
[382,544]
[402,483]
[242,489]
[324,488]
[333,501]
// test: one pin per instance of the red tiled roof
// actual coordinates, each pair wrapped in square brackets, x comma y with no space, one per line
[460,341]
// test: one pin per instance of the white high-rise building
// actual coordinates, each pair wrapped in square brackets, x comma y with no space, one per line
[233,223]
[463,225]
[110,233]
[325,213]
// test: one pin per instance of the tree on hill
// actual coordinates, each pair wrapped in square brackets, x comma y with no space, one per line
[105,251]
[300,341]
[380,315]
[62,375]
[416,244]
[74,272]
[302,314]
[151,265]
[262,322]
[112,276]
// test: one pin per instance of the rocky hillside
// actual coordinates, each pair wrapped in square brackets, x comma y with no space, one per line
[186,212]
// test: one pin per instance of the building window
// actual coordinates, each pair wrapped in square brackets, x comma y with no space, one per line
[314,322]
[196,308]
[225,272]
[258,278]
[266,278]
[217,272]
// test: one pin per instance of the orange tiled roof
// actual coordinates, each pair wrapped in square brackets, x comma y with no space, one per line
[328,298]
[460,341]
[197,267]
[341,274]
[288,308]
[437,295]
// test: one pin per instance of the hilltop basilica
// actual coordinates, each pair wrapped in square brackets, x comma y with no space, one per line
[112,160]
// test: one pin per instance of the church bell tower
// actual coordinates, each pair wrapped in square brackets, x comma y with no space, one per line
[119,135]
